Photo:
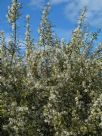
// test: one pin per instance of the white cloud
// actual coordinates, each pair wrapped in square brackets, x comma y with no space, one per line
[40,3]
[37,3]
[58,1]
[73,7]
[94,13]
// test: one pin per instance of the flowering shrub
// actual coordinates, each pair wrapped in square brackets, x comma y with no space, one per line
[55,88]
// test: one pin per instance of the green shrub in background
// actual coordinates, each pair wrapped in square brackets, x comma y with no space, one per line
[55,89]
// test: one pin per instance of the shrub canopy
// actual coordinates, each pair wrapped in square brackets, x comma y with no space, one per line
[55,88]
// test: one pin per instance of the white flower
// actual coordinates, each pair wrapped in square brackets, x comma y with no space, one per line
[22,108]
[85,90]
[100,124]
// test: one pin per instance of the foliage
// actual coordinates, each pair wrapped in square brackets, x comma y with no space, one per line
[51,91]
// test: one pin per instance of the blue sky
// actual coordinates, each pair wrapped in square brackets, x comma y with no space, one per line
[64,15]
